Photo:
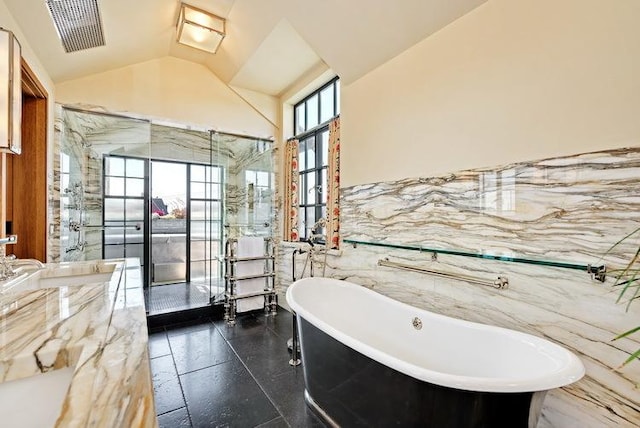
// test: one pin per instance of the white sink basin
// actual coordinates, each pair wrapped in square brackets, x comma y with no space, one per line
[35,401]
[59,276]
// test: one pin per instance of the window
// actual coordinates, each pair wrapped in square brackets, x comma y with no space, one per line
[311,117]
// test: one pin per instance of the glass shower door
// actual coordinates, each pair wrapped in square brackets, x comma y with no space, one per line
[125,201]
[205,219]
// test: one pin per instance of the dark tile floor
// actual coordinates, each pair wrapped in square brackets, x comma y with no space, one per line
[167,298]
[213,375]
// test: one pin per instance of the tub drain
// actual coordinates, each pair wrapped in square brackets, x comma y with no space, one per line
[417,323]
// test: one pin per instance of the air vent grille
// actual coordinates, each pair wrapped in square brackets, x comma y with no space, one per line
[78,23]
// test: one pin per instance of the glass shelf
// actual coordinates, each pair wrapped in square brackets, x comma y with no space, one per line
[598,272]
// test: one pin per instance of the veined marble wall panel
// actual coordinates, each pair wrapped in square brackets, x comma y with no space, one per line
[566,209]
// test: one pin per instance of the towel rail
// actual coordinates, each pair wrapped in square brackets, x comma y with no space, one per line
[501,283]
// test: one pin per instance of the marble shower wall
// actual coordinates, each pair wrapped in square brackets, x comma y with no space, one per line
[76,185]
[569,209]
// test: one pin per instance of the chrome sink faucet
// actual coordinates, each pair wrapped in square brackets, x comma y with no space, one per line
[9,262]
[6,269]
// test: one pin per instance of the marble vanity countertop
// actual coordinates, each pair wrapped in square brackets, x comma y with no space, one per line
[97,329]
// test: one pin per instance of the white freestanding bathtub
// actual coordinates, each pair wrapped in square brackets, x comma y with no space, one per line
[372,361]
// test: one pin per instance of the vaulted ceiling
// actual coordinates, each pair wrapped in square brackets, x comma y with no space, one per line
[270,44]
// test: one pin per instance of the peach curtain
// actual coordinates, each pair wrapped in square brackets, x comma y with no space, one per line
[291,178]
[333,186]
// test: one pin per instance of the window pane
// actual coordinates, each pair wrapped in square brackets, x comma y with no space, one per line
[300,118]
[64,182]
[114,166]
[311,153]
[312,111]
[326,104]
[197,173]
[263,178]
[134,236]
[311,188]
[135,250]
[199,250]
[215,191]
[302,150]
[113,251]
[113,235]
[337,97]
[198,190]
[113,209]
[323,193]
[135,187]
[302,200]
[114,186]
[301,230]
[64,163]
[135,168]
[310,220]
[214,174]
[135,209]
[325,148]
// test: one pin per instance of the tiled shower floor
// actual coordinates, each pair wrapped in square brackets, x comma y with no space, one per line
[212,375]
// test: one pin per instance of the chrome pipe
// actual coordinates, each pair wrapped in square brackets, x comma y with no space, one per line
[500,283]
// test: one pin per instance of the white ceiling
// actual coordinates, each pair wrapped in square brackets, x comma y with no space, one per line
[270,44]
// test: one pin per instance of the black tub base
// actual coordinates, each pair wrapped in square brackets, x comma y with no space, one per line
[348,389]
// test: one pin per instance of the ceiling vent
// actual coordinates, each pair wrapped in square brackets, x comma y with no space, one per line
[78,23]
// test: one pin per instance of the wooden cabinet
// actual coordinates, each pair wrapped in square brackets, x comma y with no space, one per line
[25,176]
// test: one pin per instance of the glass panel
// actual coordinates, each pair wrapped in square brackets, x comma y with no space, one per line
[312,111]
[135,187]
[205,210]
[135,168]
[326,104]
[113,251]
[302,150]
[132,235]
[300,119]
[64,163]
[323,194]
[263,178]
[204,229]
[310,189]
[214,174]
[302,185]
[215,191]
[114,235]
[198,190]
[311,152]
[114,166]
[197,173]
[135,209]
[310,220]
[199,250]
[114,186]
[64,182]
[301,217]
[198,271]
[113,209]
[324,137]
[135,250]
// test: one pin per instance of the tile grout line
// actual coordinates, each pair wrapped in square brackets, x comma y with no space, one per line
[184,399]
[254,379]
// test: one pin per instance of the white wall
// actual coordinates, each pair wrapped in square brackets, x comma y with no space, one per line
[168,88]
[513,80]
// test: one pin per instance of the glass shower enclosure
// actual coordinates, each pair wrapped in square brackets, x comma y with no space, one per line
[167,195]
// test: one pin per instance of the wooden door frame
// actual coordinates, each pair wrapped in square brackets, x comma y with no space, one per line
[24,176]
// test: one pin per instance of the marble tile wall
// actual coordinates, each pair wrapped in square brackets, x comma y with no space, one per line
[568,209]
